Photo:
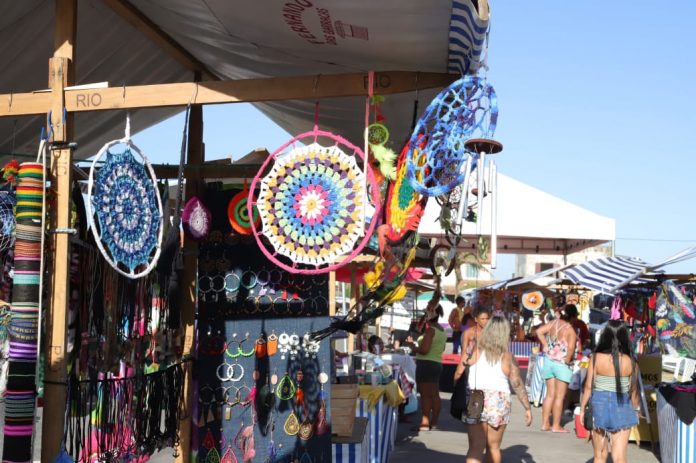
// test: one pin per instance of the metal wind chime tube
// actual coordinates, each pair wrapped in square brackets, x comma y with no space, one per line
[464,195]
[493,190]
[480,193]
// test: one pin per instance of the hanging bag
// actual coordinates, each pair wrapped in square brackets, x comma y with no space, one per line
[474,407]
[588,420]
[458,402]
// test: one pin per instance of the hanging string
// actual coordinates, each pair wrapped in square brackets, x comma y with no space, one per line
[128,126]
[370,93]
[316,115]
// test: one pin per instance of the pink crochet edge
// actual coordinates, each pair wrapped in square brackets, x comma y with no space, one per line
[316,133]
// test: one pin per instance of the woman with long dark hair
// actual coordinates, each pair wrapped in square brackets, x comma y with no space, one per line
[611,387]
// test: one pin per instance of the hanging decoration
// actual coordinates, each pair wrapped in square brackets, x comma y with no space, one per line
[126,207]
[23,329]
[238,212]
[404,206]
[196,218]
[312,204]
[436,154]
[676,320]
[532,300]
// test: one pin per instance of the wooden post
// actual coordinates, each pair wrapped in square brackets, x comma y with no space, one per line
[61,74]
[332,294]
[196,156]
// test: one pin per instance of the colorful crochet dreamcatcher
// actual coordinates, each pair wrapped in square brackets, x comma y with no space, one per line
[238,213]
[404,206]
[126,208]
[313,203]
[436,152]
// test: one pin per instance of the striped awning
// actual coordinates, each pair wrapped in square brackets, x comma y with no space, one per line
[467,36]
[607,273]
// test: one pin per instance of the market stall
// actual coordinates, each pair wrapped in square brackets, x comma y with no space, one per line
[218,349]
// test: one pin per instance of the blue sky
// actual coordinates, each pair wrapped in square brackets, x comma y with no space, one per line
[596,107]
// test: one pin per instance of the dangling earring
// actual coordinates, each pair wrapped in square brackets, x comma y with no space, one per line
[272,344]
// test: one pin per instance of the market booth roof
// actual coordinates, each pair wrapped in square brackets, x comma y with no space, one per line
[531,221]
[232,39]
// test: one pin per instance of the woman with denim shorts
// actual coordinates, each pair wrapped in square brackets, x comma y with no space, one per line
[611,387]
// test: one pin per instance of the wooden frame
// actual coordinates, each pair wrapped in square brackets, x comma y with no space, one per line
[227,91]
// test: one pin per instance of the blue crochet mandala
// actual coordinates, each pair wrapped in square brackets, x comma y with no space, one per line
[127,207]
[436,155]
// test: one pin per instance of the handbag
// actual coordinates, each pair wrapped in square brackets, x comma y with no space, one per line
[474,406]
[588,420]
[458,400]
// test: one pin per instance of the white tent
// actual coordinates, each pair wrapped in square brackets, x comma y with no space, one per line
[530,221]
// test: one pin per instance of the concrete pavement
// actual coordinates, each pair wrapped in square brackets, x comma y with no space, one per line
[520,443]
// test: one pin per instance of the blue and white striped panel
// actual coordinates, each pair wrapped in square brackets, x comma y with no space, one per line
[522,349]
[467,37]
[667,426]
[686,442]
[345,453]
[605,273]
[537,387]
[374,422]
[389,425]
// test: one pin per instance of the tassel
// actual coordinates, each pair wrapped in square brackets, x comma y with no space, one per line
[386,158]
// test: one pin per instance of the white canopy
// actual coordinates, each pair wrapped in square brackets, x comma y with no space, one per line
[236,39]
[531,221]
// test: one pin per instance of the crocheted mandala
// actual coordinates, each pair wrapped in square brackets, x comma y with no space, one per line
[128,209]
[311,204]
[464,110]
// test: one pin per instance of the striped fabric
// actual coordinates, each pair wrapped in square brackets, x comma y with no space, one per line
[352,453]
[686,442]
[467,38]
[667,426]
[522,349]
[383,422]
[607,272]
[23,329]
[535,384]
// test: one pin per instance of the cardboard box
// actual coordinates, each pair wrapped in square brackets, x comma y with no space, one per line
[344,398]
[642,432]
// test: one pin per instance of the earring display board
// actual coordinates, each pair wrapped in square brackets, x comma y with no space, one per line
[262,385]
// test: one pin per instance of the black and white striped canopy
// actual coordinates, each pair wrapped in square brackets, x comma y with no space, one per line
[607,273]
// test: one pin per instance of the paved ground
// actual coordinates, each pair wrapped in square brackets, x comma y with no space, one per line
[520,444]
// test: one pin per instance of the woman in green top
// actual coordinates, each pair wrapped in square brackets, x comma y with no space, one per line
[431,345]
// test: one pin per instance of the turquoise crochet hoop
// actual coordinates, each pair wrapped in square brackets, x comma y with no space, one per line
[436,153]
[126,209]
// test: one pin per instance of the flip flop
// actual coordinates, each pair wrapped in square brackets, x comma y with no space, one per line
[560,431]
[544,429]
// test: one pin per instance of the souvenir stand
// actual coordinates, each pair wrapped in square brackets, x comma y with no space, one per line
[217,343]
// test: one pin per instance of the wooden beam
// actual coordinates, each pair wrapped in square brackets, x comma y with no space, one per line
[230,91]
[152,31]
[61,74]
[196,155]
[208,171]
